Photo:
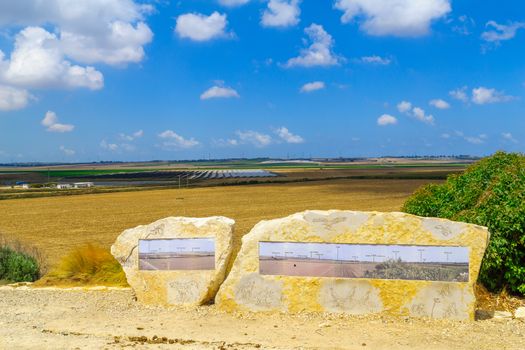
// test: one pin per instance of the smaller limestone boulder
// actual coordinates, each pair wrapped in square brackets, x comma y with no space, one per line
[176,260]
[520,313]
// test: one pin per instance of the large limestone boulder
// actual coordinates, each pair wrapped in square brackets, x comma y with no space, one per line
[339,286]
[164,280]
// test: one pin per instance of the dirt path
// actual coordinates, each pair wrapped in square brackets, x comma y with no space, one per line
[102,319]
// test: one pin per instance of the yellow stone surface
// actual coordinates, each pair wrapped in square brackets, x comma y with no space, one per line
[182,287]
[246,290]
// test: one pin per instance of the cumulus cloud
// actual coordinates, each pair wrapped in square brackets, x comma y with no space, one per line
[110,31]
[382,61]
[439,104]
[281,13]
[285,135]
[405,18]
[476,140]
[483,95]
[499,32]
[319,53]
[233,3]
[463,25]
[12,99]
[386,119]
[199,27]
[51,123]
[55,33]
[313,86]
[226,142]
[404,106]
[508,137]
[38,61]
[415,112]
[219,92]
[67,151]
[172,140]
[420,115]
[459,94]
[109,146]
[133,136]
[255,138]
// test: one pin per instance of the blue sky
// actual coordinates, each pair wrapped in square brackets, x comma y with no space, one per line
[130,80]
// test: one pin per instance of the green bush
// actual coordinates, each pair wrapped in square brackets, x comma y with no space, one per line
[17,266]
[491,193]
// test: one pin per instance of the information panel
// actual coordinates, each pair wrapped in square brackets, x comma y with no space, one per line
[177,254]
[402,262]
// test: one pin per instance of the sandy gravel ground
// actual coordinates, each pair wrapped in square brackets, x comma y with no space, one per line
[111,319]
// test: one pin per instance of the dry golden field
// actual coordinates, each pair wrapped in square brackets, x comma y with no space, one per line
[55,225]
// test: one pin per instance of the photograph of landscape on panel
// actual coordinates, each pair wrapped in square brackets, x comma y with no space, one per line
[177,254]
[405,262]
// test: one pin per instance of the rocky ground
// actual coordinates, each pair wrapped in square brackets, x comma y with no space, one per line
[111,319]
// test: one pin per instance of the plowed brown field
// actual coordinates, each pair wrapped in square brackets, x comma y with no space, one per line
[54,225]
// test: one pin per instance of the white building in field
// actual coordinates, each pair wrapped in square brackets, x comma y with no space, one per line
[83,184]
[64,186]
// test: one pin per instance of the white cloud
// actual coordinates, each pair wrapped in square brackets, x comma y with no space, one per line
[255,138]
[133,136]
[445,136]
[439,104]
[109,146]
[199,27]
[107,31]
[386,119]
[281,13]
[233,3]
[475,140]
[287,136]
[382,61]
[67,151]
[313,86]
[319,53]
[415,112]
[463,25]
[420,115]
[176,141]
[406,18]
[501,32]
[226,143]
[219,92]
[38,61]
[50,121]
[508,136]
[404,106]
[12,99]
[483,95]
[459,94]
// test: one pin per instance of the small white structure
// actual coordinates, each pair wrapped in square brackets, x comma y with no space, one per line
[83,184]
[25,186]
[64,186]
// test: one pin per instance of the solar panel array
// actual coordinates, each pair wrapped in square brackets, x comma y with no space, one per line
[225,174]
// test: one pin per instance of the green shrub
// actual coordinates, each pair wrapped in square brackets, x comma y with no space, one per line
[16,266]
[491,193]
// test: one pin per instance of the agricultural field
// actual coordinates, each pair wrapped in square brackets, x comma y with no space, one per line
[55,225]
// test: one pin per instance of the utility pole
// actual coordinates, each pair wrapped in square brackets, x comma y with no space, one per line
[395,253]
[447,254]
[421,254]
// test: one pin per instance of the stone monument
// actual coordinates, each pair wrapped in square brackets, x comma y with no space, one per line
[357,263]
[176,260]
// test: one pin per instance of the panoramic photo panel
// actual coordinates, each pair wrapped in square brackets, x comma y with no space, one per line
[405,262]
[177,254]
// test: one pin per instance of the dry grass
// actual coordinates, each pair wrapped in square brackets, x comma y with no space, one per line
[502,301]
[86,265]
[55,225]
